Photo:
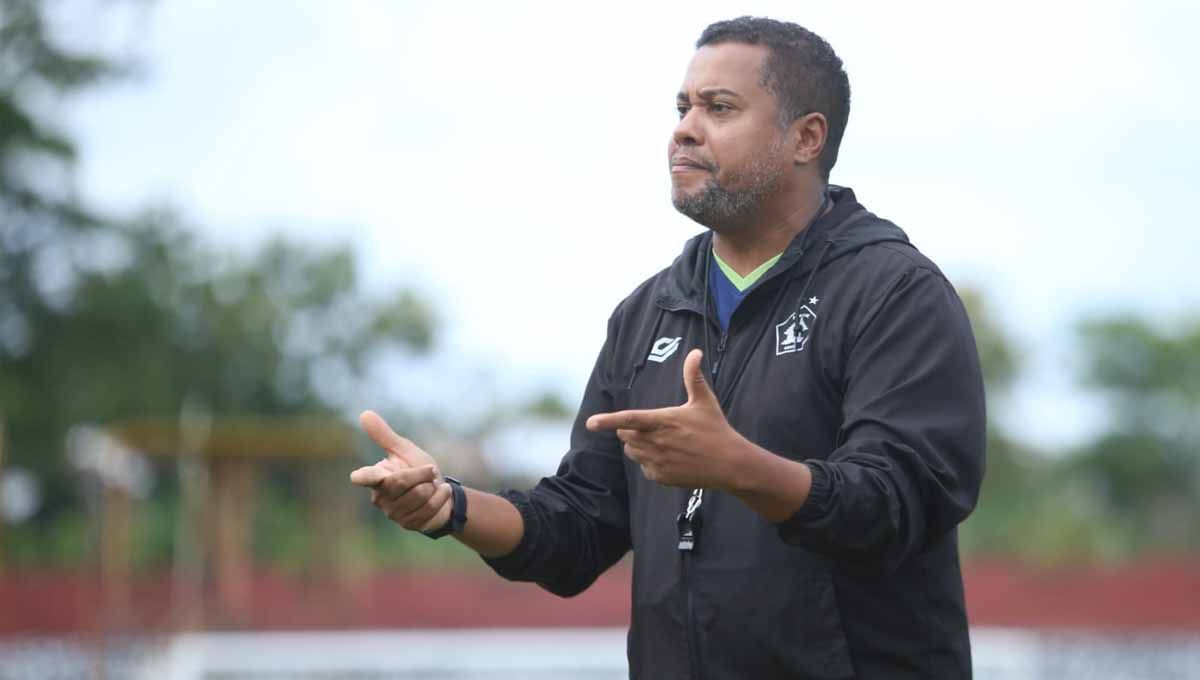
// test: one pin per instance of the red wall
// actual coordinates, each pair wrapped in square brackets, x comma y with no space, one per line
[1158,595]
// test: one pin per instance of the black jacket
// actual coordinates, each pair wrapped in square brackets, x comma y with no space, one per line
[879,391]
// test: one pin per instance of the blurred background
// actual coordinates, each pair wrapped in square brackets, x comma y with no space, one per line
[226,228]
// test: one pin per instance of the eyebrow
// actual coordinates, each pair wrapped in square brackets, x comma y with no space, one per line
[707,93]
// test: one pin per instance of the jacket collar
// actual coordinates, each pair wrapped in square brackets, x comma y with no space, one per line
[848,226]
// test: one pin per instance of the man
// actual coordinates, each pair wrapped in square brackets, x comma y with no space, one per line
[792,502]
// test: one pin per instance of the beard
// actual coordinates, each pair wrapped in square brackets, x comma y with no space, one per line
[719,207]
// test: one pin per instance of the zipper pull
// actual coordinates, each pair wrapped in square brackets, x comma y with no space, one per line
[716,362]
[687,534]
[688,521]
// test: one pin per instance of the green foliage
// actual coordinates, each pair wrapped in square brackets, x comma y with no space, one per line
[997,354]
[395,546]
[174,322]
[37,229]
[104,319]
[1012,482]
[1146,466]
[154,524]
[548,406]
[32,63]
[1152,376]
[1133,489]
[65,538]
[280,528]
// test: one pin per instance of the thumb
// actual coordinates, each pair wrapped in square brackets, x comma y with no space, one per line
[698,391]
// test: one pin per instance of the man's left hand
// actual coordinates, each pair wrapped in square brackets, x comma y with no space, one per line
[690,446]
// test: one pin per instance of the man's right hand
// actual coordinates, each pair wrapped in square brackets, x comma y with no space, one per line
[407,485]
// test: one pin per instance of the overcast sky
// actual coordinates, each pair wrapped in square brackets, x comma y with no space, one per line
[508,159]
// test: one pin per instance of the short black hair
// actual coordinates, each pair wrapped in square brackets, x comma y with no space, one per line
[802,71]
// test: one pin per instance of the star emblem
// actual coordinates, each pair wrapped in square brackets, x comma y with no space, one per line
[813,301]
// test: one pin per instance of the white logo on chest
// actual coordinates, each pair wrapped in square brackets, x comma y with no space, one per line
[663,348]
[792,335]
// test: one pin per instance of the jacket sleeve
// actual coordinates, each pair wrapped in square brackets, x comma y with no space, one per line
[576,522]
[910,453]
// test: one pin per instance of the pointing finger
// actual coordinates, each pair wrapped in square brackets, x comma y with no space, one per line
[644,421]
[384,436]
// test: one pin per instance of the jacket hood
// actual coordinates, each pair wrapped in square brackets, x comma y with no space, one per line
[846,228]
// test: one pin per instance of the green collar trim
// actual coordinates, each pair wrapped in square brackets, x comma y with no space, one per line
[743,282]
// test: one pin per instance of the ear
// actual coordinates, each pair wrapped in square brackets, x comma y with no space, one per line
[809,133]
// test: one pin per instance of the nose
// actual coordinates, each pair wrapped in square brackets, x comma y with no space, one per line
[688,132]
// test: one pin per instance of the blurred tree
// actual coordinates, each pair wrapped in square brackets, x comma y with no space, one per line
[38,218]
[1034,506]
[1145,468]
[1134,488]
[104,319]
[1012,475]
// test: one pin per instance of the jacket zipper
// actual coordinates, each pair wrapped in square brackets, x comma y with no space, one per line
[716,364]
[688,530]
[693,642]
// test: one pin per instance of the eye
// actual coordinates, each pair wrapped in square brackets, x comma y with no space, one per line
[682,110]
[719,107]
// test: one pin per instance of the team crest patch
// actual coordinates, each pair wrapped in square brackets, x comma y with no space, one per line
[792,335]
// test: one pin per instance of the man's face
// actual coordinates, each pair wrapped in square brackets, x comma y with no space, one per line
[727,153]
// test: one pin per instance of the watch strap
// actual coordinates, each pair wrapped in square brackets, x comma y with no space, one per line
[458,512]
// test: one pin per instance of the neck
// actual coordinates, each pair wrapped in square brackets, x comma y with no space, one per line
[748,245]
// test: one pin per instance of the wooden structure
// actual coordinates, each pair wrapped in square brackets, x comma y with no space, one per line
[219,463]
